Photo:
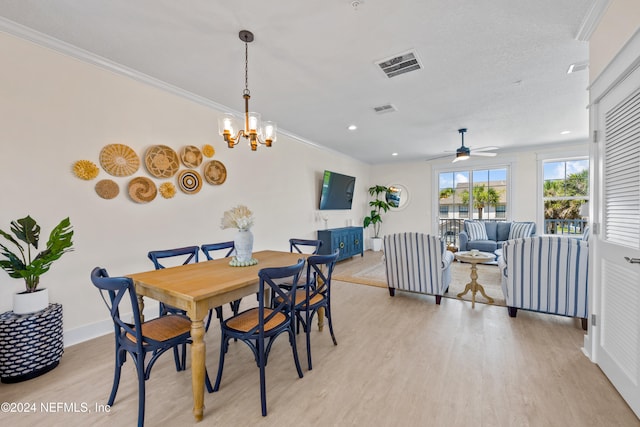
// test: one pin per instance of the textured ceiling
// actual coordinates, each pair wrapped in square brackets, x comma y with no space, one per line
[496,67]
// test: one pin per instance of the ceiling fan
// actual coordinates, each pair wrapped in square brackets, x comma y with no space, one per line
[463,152]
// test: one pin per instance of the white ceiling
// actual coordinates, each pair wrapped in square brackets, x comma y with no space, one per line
[496,67]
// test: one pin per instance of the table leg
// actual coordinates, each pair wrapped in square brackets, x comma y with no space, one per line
[320,318]
[141,306]
[474,287]
[481,290]
[471,286]
[198,351]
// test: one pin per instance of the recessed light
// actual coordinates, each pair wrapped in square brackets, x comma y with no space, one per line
[565,132]
[352,127]
[394,154]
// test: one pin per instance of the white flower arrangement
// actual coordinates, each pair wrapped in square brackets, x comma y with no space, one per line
[239,217]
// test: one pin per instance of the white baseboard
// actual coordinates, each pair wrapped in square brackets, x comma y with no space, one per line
[98,329]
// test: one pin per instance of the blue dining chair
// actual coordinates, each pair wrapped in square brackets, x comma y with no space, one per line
[259,324]
[153,337]
[181,256]
[316,295]
[302,246]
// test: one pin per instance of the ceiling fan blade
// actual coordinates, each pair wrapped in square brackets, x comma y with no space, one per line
[438,157]
[481,153]
[491,148]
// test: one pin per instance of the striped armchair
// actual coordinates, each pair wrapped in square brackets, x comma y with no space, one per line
[548,274]
[417,262]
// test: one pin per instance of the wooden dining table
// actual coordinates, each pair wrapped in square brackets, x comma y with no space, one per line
[198,287]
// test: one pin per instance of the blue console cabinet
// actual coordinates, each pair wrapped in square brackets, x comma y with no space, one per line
[347,239]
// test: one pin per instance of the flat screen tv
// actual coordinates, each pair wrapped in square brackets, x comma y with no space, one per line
[337,191]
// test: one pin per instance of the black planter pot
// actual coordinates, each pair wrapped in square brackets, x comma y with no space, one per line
[30,345]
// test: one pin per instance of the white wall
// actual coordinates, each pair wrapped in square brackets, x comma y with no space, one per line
[55,110]
[416,178]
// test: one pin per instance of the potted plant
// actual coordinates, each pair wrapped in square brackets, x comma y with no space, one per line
[378,205]
[25,265]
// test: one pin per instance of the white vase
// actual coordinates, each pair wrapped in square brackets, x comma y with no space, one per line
[243,242]
[376,243]
[30,302]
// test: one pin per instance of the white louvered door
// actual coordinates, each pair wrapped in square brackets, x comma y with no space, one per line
[618,281]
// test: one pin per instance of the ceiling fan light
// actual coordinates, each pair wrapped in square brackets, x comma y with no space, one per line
[461,155]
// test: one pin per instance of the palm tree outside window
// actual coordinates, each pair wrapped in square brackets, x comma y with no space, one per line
[565,189]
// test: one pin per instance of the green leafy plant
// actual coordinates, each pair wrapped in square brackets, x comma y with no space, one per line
[22,265]
[379,204]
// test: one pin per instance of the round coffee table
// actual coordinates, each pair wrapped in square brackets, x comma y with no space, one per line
[474,286]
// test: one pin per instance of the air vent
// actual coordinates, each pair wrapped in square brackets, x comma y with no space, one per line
[400,64]
[387,108]
[578,66]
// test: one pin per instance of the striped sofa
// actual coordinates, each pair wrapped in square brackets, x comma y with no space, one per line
[548,274]
[417,262]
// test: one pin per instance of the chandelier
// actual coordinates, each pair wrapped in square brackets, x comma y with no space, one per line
[255,130]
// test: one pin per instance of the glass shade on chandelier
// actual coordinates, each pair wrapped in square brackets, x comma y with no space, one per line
[253,128]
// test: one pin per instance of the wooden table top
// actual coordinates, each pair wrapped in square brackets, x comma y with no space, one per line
[208,279]
[480,257]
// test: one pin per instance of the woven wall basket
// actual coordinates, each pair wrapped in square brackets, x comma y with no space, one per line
[30,345]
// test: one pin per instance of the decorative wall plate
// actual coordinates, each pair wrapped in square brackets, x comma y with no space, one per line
[190,181]
[161,161]
[191,156]
[85,169]
[208,150]
[107,189]
[214,172]
[142,190]
[167,190]
[119,160]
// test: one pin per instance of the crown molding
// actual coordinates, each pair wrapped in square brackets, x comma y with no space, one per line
[68,49]
[592,19]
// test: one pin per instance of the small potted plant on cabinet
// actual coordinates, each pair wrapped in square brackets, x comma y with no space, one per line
[378,204]
[24,265]
[31,334]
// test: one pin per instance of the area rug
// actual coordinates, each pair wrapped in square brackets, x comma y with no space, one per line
[369,270]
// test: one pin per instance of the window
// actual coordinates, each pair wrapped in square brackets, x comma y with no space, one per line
[471,194]
[565,190]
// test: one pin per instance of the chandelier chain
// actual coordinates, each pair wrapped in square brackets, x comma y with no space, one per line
[246,69]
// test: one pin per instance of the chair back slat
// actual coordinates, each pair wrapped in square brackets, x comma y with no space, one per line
[284,298]
[189,252]
[302,246]
[319,272]
[212,247]
[117,288]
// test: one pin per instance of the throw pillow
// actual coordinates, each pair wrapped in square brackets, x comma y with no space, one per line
[520,229]
[476,230]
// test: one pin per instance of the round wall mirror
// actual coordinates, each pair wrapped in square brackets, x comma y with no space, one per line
[397,196]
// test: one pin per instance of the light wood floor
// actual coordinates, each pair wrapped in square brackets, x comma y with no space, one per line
[399,361]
